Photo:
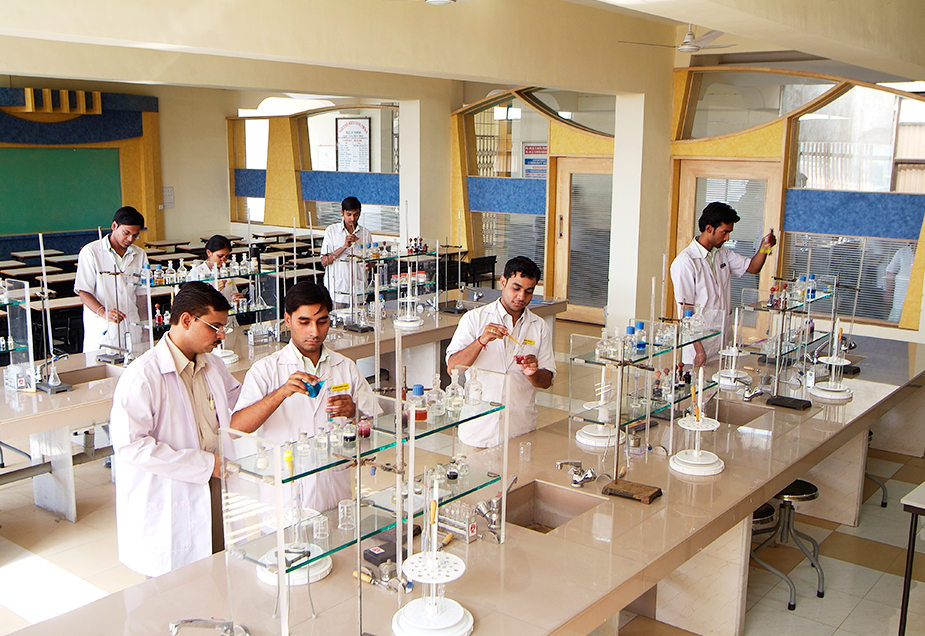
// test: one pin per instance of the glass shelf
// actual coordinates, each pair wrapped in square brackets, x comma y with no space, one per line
[401,287]
[12,303]
[594,416]
[641,354]
[763,306]
[318,460]
[425,428]
[210,279]
[395,257]
[789,347]
[372,521]
[14,349]
[450,490]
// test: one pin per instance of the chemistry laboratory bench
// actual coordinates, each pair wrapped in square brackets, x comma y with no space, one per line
[683,559]
[49,420]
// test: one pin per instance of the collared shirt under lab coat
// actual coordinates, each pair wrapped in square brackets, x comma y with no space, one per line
[300,413]
[530,330]
[95,257]
[337,274]
[163,505]
[697,283]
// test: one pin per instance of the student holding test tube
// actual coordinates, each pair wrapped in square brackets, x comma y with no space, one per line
[277,389]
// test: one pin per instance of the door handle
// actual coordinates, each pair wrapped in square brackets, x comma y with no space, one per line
[561,219]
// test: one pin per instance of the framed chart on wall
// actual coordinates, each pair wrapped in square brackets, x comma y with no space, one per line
[353,144]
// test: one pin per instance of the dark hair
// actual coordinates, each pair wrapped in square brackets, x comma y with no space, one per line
[350,204]
[307,293]
[127,215]
[523,266]
[196,298]
[717,213]
[218,242]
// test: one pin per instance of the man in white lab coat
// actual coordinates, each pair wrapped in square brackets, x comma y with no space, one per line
[485,339]
[341,241]
[109,298]
[701,275]
[166,411]
[275,395]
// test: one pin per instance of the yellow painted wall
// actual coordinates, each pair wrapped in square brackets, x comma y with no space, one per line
[566,141]
[766,142]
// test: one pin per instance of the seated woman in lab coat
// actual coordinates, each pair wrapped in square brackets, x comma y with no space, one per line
[218,250]
[166,411]
[274,394]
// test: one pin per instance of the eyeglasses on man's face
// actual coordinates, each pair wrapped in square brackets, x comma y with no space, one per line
[223,329]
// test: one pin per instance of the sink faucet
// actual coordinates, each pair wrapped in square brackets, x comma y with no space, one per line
[477,295]
[129,356]
[226,627]
[491,508]
[579,477]
[40,372]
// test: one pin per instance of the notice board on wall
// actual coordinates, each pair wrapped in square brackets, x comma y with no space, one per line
[353,144]
[58,189]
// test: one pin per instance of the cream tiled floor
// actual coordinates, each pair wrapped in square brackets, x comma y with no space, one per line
[49,566]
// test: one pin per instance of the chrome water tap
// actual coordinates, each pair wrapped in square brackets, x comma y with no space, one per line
[227,627]
[579,477]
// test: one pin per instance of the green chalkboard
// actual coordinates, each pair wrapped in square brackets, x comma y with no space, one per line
[58,189]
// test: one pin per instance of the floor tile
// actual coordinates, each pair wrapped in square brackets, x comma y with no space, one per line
[911,474]
[37,590]
[870,618]
[116,579]
[760,582]
[831,610]
[858,550]
[898,567]
[888,591]
[882,468]
[781,557]
[817,533]
[916,461]
[888,456]
[841,576]
[11,622]
[89,558]
[767,619]
[813,521]
[642,626]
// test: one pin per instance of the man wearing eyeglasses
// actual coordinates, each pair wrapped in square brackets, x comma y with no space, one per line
[276,394]
[167,409]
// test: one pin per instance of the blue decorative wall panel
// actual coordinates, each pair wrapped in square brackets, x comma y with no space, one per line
[121,101]
[88,129]
[506,195]
[369,187]
[250,183]
[874,214]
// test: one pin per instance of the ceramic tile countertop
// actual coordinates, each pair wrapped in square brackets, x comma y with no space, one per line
[566,582]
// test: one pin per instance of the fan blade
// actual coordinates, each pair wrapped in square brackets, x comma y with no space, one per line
[706,38]
[667,46]
[716,46]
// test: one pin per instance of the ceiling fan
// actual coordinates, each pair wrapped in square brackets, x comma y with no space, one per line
[690,44]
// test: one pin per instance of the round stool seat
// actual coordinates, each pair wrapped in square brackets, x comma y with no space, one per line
[799,490]
[765,514]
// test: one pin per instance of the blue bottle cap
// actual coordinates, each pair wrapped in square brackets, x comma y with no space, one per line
[688,313]
[812,277]
[640,325]
[802,278]
[630,331]
[417,389]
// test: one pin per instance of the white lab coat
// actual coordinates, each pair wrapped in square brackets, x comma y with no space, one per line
[163,505]
[530,330]
[337,274]
[300,413]
[696,284]
[93,259]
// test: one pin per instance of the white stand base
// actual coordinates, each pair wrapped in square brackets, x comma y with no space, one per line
[824,396]
[730,378]
[408,322]
[227,355]
[308,574]
[688,463]
[598,436]
[413,620]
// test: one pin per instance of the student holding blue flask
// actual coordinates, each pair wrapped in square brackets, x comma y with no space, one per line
[304,385]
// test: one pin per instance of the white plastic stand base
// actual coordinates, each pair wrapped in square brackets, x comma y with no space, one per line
[598,436]
[408,322]
[730,378]
[688,463]
[827,396]
[227,355]
[413,620]
[308,574]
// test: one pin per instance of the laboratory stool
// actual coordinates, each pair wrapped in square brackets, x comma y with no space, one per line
[784,530]
[876,480]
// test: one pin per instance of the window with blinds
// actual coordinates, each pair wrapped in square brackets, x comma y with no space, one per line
[510,235]
[747,197]
[375,218]
[879,269]
[589,239]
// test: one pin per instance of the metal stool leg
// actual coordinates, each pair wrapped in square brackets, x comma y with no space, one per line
[811,555]
[775,534]
[882,485]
